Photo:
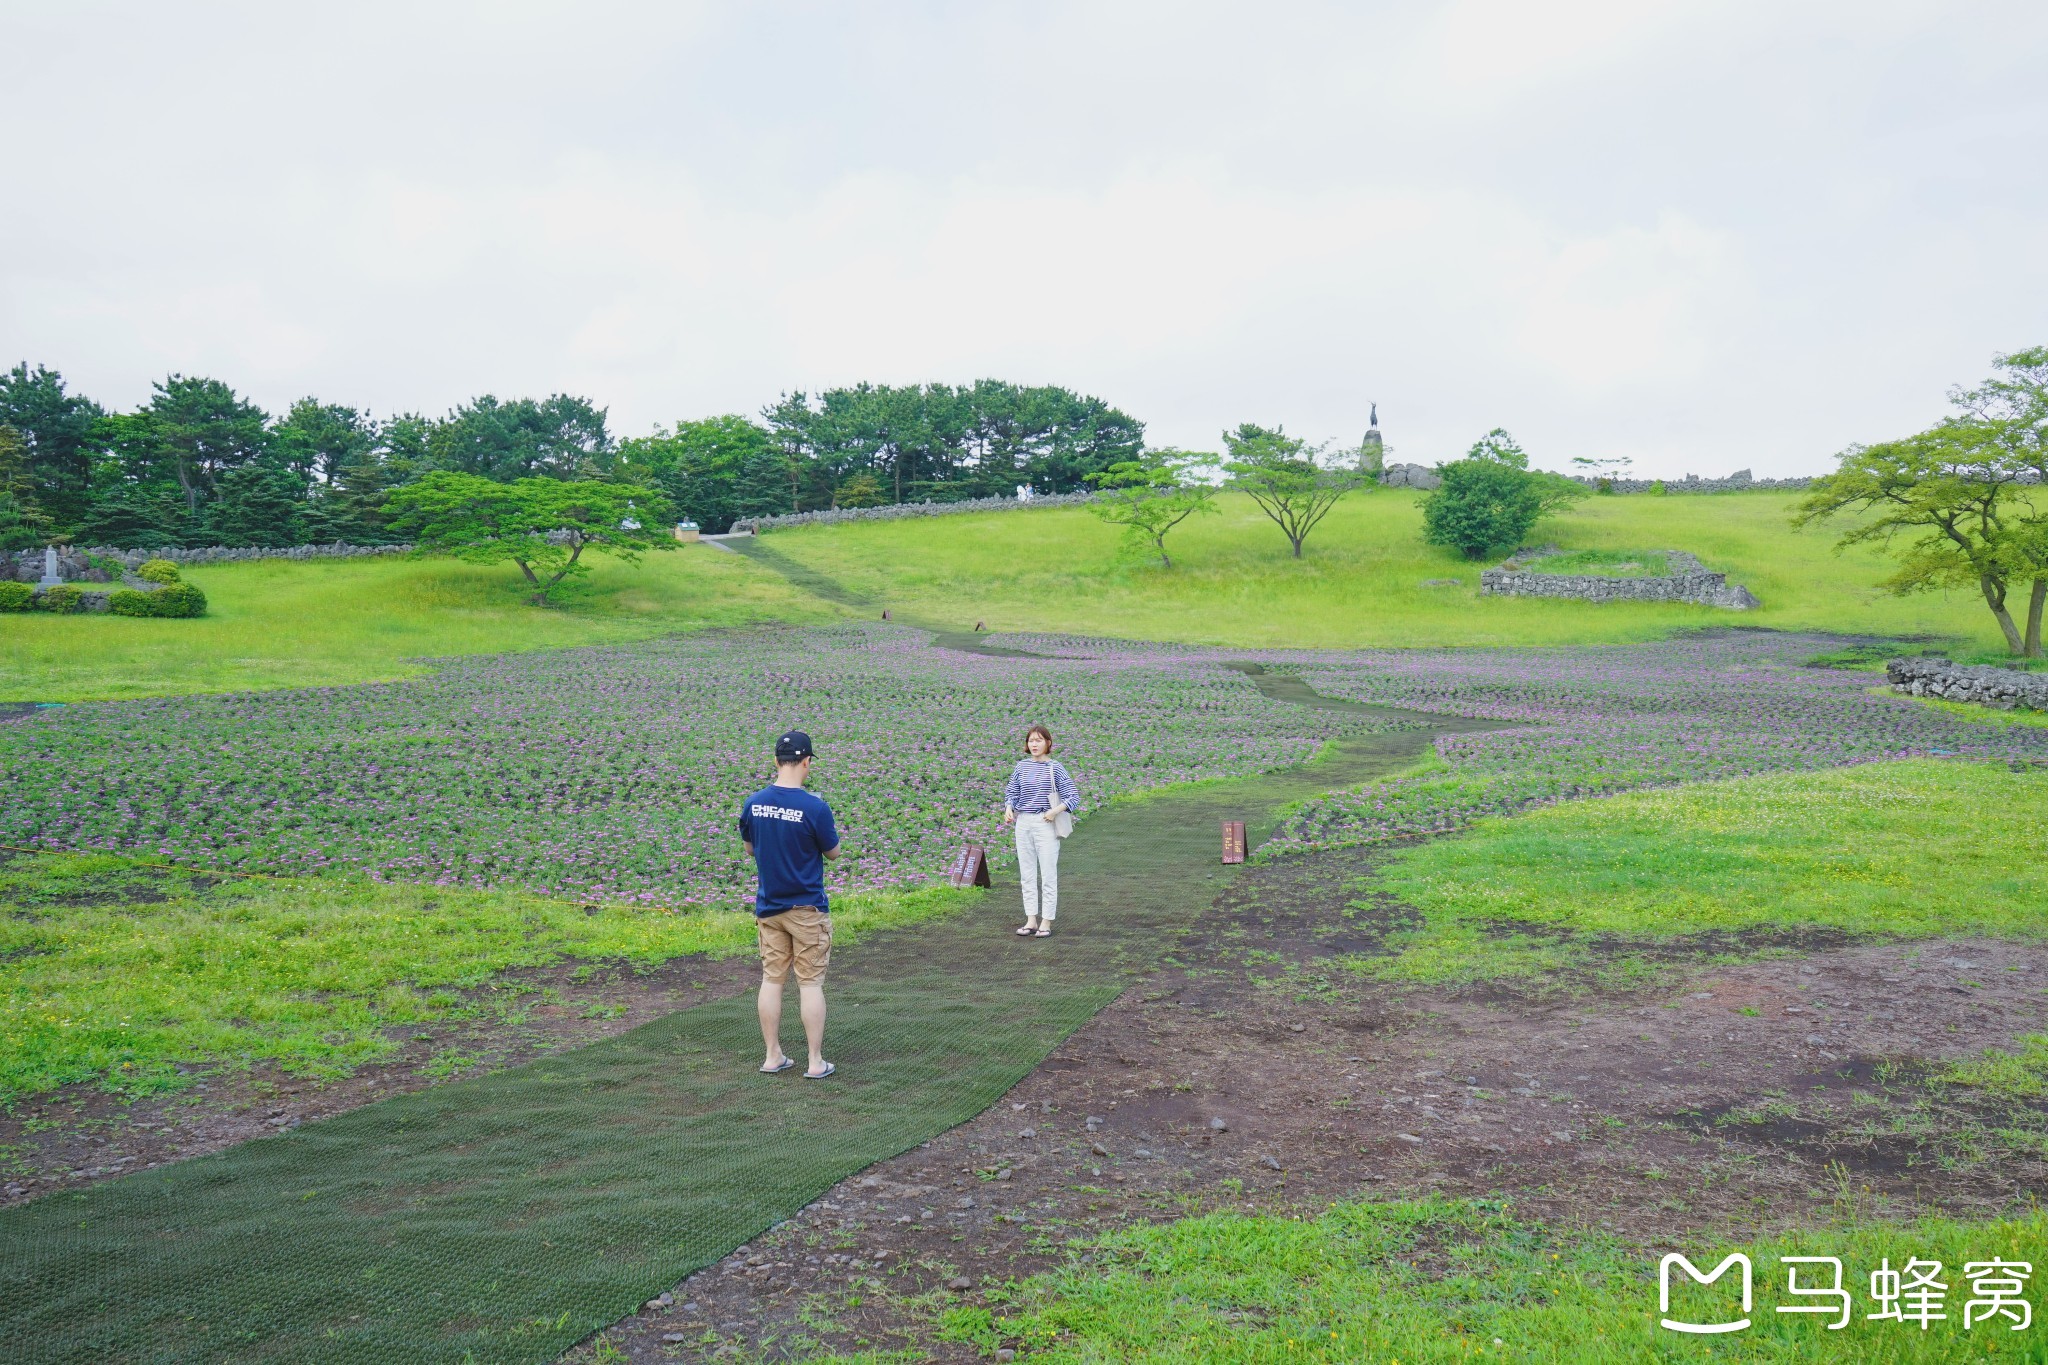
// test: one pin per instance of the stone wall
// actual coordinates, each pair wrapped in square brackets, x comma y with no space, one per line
[1737,482]
[1410,476]
[89,599]
[1688,581]
[899,510]
[1984,684]
[96,594]
[74,565]
[1421,476]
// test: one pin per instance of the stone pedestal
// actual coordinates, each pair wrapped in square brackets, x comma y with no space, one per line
[1410,476]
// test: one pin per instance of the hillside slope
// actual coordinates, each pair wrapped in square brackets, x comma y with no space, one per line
[1364,579]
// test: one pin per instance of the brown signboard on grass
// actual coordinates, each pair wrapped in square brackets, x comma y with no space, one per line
[969,867]
[1233,841]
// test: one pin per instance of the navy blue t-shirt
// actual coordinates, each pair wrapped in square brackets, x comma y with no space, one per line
[790,830]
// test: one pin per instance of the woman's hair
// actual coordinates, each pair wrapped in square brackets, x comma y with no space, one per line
[1037,730]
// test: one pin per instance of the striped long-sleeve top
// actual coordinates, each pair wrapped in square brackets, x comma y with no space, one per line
[1031,786]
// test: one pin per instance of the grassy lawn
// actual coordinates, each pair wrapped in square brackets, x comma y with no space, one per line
[1447,1280]
[1564,887]
[1363,579]
[116,972]
[317,623]
[1982,714]
[1363,583]
[1553,893]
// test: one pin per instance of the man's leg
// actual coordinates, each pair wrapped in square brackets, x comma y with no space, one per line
[811,938]
[811,1001]
[770,1007]
[775,945]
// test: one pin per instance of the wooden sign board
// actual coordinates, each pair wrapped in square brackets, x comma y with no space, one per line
[1233,841]
[969,867]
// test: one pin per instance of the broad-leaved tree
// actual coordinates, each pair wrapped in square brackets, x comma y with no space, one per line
[1294,483]
[1154,493]
[542,525]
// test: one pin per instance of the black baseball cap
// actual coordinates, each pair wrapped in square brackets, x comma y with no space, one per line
[793,747]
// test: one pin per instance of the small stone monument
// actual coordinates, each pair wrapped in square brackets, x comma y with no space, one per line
[51,578]
[1372,451]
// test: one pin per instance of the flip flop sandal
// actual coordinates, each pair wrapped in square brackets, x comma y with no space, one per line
[1026,932]
[819,1076]
[1043,933]
[787,1063]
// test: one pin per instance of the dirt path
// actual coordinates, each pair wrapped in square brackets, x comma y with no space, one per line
[1257,1073]
[589,1179]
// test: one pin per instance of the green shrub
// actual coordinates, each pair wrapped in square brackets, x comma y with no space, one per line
[1483,505]
[158,571]
[179,599]
[64,599]
[17,597]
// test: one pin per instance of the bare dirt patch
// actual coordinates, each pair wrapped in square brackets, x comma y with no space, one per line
[1253,1072]
[84,1133]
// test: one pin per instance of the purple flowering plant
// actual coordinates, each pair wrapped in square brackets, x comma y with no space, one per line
[615,774]
[1596,721]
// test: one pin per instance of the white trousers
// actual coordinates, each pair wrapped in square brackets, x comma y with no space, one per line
[1038,866]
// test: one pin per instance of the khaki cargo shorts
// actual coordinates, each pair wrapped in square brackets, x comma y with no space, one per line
[802,936]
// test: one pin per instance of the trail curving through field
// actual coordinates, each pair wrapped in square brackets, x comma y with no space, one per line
[506,1217]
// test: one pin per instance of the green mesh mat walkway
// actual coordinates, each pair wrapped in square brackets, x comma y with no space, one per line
[505,1218]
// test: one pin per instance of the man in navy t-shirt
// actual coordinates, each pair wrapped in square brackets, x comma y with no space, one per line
[790,833]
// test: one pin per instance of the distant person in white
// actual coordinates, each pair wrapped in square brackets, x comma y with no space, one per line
[1039,793]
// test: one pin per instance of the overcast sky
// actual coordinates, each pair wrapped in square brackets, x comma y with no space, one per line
[1701,235]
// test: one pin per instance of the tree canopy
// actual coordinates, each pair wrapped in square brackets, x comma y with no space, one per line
[943,443]
[23,523]
[194,431]
[1964,503]
[716,471]
[542,525]
[560,436]
[1294,483]
[317,440]
[57,433]
[201,464]
[1490,499]
[1154,493]
[1500,448]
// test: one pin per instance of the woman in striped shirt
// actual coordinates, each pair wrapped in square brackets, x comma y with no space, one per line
[1038,793]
